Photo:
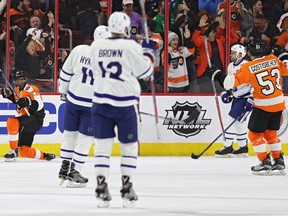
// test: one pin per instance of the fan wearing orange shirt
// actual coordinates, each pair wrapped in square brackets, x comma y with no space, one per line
[31,113]
[238,12]
[264,74]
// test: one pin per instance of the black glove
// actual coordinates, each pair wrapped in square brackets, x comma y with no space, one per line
[23,102]
[6,92]
[210,70]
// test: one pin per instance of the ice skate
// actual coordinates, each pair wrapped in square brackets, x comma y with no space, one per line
[75,179]
[278,166]
[63,173]
[49,157]
[263,168]
[241,152]
[11,155]
[102,194]
[127,193]
[225,152]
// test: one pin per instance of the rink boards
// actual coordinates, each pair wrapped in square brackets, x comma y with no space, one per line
[189,131]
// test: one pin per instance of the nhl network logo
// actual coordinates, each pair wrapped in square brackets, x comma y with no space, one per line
[186,119]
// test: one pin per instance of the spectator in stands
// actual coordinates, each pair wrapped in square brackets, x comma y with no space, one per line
[158,69]
[265,32]
[273,10]
[87,18]
[67,14]
[12,51]
[283,18]
[151,8]
[35,22]
[136,19]
[209,5]
[237,11]
[103,16]
[160,18]
[179,27]
[19,19]
[283,38]
[247,23]
[34,59]
[174,8]
[216,53]
[159,43]
[178,81]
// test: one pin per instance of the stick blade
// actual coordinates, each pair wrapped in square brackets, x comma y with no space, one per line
[193,156]
[211,28]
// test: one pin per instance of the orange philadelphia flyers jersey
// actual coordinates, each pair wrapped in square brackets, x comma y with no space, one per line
[33,93]
[265,76]
[234,11]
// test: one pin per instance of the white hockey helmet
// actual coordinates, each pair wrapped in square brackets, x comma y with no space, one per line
[239,49]
[119,23]
[101,32]
[36,33]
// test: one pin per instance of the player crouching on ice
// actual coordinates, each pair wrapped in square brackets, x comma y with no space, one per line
[22,129]
[264,74]
[238,98]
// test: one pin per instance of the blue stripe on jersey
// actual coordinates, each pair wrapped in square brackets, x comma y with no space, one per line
[89,100]
[112,97]
[128,166]
[69,74]
[145,72]
[124,156]
[77,161]
[64,79]
[102,165]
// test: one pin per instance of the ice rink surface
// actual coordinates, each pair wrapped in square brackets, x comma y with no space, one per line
[172,186]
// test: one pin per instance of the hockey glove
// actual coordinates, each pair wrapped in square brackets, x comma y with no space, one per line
[63,97]
[226,97]
[247,109]
[249,104]
[210,71]
[23,102]
[149,49]
[6,92]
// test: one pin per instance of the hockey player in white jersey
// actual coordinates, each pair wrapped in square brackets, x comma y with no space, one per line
[238,97]
[76,81]
[118,63]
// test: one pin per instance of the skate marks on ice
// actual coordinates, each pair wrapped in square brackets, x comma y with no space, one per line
[165,185]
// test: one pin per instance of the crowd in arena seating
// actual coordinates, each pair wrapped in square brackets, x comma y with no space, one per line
[32,35]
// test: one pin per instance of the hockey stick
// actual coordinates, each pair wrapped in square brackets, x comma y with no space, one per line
[164,118]
[206,34]
[194,156]
[152,77]
[11,87]
[195,113]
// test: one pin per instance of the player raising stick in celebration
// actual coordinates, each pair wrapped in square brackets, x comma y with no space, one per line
[117,63]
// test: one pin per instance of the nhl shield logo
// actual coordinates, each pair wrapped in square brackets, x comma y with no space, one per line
[190,119]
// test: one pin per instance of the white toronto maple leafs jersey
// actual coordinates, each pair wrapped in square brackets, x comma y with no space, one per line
[76,77]
[117,63]
[242,91]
